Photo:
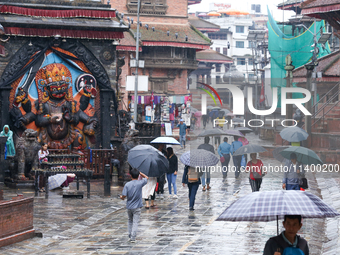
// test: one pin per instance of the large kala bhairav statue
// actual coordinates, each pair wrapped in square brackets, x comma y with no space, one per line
[57,114]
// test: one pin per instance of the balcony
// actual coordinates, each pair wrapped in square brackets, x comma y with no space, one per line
[155,7]
[173,63]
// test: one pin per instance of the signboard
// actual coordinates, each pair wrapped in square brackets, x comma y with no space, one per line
[219,6]
[143,83]
[168,130]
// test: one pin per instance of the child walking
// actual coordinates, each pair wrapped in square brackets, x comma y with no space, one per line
[133,192]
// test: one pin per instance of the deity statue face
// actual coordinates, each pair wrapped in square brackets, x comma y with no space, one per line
[58,90]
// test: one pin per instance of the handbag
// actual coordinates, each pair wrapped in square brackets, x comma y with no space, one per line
[256,174]
[303,183]
[222,159]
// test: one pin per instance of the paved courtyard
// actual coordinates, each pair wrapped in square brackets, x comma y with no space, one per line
[99,225]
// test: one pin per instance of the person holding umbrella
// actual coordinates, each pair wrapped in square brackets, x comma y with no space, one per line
[293,172]
[206,176]
[288,241]
[172,173]
[254,166]
[194,161]
[133,192]
[236,159]
[192,179]
[152,163]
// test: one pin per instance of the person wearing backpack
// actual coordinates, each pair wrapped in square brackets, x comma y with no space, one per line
[254,166]
[288,242]
[191,177]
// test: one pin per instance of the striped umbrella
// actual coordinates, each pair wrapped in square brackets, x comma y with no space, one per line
[275,204]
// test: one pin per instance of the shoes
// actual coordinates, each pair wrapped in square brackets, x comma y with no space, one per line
[147,207]
[191,209]
[208,187]
[161,196]
[204,189]
[66,188]
[153,205]
[175,196]
[170,196]
[132,240]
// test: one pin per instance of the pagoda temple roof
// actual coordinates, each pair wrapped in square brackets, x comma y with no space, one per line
[211,56]
[187,36]
[203,25]
[328,65]
[68,19]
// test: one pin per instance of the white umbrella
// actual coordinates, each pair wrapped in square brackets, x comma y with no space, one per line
[165,140]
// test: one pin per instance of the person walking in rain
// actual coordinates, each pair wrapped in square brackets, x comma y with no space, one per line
[288,242]
[182,132]
[236,159]
[206,175]
[133,192]
[254,166]
[224,152]
[293,172]
[192,179]
[172,173]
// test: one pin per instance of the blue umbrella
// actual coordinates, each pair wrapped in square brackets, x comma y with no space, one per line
[294,134]
[275,204]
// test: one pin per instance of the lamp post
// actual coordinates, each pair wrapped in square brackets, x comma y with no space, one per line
[137,63]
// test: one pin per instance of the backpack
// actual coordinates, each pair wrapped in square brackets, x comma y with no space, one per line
[193,175]
[293,251]
[289,250]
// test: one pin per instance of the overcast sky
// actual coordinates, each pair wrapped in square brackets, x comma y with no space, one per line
[245,5]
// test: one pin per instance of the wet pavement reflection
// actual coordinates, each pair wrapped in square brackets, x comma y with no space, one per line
[99,225]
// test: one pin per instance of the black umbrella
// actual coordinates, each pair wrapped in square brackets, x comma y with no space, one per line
[250,148]
[148,160]
[212,132]
[244,130]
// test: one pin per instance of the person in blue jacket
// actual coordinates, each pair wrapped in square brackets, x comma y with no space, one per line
[236,159]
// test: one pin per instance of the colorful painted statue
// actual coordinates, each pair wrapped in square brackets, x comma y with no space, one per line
[9,143]
[57,114]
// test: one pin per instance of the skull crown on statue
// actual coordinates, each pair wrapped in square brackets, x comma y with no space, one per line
[57,115]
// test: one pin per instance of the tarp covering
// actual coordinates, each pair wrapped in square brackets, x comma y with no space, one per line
[299,46]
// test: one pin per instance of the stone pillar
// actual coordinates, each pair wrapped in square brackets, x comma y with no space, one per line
[105,118]
[308,118]
[4,106]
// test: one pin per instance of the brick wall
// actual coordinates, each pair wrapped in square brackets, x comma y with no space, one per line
[16,220]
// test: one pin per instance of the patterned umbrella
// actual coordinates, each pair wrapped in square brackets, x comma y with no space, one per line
[275,204]
[199,157]
[55,181]
[148,160]
[250,148]
[165,140]
[294,134]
